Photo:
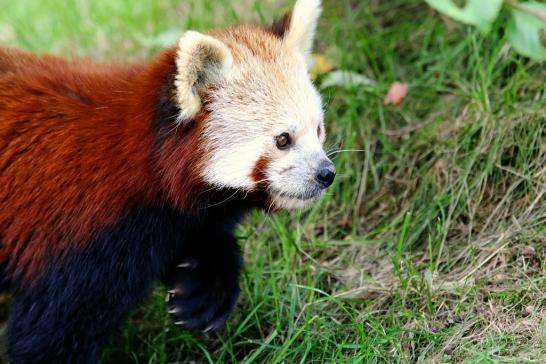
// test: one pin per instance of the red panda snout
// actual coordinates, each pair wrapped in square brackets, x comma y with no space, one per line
[299,174]
[326,172]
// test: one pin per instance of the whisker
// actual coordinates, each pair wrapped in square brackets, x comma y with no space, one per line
[270,207]
[330,148]
[237,190]
[225,200]
[344,150]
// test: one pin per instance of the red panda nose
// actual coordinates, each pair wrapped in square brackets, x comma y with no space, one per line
[326,173]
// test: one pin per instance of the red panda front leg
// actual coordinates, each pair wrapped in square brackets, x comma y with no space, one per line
[204,287]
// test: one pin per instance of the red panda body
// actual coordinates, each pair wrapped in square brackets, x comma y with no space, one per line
[84,155]
[80,143]
[65,172]
[115,177]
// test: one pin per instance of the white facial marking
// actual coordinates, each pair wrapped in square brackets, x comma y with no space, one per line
[259,102]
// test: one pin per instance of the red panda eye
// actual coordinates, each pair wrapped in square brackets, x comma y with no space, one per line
[283,141]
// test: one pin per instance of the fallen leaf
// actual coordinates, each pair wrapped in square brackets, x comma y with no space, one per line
[321,65]
[397,93]
[345,79]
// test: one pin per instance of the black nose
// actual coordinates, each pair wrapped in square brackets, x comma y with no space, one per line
[326,173]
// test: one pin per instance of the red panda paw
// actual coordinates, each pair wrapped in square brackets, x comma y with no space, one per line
[204,290]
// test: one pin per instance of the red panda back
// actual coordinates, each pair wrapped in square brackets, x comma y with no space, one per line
[76,143]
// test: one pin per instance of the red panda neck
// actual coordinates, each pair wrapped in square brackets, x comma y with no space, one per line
[177,151]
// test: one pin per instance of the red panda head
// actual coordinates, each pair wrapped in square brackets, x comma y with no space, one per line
[264,128]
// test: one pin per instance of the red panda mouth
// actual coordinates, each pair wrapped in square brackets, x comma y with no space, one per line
[306,196]
[282,200]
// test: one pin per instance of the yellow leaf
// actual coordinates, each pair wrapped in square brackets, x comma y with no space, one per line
[321,65]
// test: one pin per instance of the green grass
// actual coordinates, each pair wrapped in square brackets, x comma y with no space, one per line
[431,245]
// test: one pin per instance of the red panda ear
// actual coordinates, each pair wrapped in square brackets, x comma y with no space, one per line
[200,61]
[303,24]
[281,25]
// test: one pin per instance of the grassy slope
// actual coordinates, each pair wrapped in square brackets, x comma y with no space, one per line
[430,247]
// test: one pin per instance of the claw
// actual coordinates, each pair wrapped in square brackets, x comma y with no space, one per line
[180,323]
[185,265]
[208,328]
[170,294]
[174,310]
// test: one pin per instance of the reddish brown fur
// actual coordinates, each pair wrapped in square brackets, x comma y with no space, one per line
[258,173]
[78,147]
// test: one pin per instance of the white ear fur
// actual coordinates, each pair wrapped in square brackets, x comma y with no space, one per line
[303,24]
[200,59]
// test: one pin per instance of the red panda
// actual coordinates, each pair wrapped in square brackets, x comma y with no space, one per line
[115,177]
